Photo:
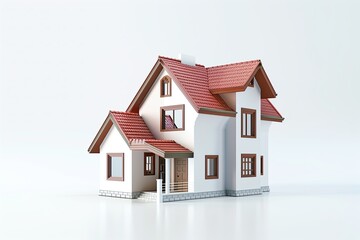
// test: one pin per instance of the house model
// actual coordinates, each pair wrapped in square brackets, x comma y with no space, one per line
[190,132]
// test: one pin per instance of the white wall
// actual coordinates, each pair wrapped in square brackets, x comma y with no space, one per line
[210,132]
[264,146]
[150,111]
[115,143]
[139,180]
[248,99]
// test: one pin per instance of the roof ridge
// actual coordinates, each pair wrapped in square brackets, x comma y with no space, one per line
[169,58]
[178,60]
[129,113]
[237,63]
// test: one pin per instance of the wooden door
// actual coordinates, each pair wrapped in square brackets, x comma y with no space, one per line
[181,174]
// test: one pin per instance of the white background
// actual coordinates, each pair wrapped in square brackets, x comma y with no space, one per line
[65,64]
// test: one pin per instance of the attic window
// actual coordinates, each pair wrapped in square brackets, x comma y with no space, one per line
[165,88]
[172,118]
[251,84]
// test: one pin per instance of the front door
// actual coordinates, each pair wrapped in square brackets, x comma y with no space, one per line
[181,175]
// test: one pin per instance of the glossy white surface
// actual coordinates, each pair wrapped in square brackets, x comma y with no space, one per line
[285,213]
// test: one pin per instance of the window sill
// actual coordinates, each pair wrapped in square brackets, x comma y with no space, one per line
[211,177]
[244,136]
[172,130]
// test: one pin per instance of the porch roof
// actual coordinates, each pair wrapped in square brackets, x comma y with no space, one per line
[162,148]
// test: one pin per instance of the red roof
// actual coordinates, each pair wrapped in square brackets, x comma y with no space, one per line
[202,85]
[135,130]
[132,125]
[269,112]
[167,145]
[231,75]
[194,82]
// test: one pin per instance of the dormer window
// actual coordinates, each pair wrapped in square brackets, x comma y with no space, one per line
[165,88]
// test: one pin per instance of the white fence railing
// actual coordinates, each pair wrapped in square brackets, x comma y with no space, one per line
[176,187]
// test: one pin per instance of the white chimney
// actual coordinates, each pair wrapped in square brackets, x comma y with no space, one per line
[187,59]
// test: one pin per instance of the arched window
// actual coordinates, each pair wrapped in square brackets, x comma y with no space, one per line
[165,89]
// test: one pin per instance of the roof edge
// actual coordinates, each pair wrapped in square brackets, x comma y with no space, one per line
[103,131]
[100,136]
[179,85]
[219,112]
[271,118]
[144,89]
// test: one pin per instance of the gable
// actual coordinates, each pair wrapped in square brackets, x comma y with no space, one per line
[130,126]
[236,78]
[191,80]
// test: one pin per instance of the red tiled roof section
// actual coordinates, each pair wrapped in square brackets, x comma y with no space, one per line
[132,125]
[194,81]
[167,145]
[268,109]
[231,75]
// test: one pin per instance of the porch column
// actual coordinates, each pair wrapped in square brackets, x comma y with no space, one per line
[167,175]
[159,190]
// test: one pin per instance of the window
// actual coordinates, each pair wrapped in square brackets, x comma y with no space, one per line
[211,166]
[165,88]
[172,118]
[248,123]
[248,165]
[115,166]
[262,165]
[149,164]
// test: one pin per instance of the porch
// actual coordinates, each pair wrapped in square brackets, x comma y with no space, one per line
[165,167]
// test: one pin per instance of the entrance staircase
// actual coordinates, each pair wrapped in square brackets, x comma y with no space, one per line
[148,196]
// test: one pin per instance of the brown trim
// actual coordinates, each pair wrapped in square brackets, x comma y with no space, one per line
[152,172]
[109,177]
[162,116]
[218,112]
[151,78]
[251,112]
[253,165]
[100,136]
[262,78]
[267,89]
[216,158]
[271,118]
[165,78]
[145,87]
[261,165]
